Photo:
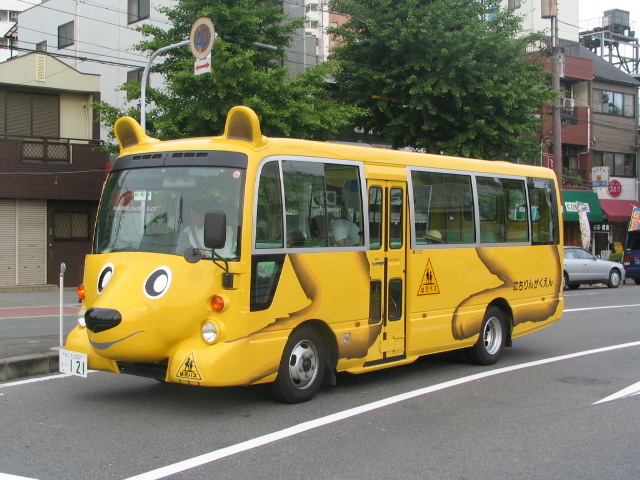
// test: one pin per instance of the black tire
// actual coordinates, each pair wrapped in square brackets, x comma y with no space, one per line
[637,280]
[302,367]
[614,278]
[492,339]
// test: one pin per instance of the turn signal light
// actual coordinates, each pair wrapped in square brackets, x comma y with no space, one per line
[80,291]
[217,303]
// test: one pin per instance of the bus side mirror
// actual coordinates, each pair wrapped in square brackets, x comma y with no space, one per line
[215,229]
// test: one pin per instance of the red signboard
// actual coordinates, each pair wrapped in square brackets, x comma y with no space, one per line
[615,188]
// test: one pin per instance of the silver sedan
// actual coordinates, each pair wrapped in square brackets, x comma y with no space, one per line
[581,267]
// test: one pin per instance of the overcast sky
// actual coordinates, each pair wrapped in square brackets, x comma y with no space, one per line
[592,9]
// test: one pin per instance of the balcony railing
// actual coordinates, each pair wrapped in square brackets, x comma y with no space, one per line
[49,150]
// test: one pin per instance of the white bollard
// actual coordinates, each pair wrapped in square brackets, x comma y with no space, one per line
[63,267]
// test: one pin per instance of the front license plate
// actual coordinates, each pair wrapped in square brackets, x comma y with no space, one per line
[74,363]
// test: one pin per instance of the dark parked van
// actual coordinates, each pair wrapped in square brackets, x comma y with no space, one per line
[631,259]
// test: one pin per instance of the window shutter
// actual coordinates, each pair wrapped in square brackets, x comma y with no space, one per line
[46,110]
[3,103]
[18,113]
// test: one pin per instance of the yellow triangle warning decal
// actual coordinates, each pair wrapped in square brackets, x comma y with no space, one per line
[189,370]
[429,284]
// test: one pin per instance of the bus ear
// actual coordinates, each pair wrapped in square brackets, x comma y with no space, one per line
[129,133]
[243,124]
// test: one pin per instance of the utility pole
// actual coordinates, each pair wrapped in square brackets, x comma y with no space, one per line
[550,10]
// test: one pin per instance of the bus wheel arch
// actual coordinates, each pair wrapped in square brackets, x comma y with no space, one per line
[306,359]
[495,334]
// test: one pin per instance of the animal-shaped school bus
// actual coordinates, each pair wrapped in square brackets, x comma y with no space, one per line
[242,260]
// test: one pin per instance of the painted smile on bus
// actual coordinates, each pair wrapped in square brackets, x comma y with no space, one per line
[105,345]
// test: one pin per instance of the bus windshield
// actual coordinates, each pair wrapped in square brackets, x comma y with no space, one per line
[161,209]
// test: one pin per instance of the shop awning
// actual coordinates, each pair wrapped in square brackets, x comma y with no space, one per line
[570,200]
[618,209]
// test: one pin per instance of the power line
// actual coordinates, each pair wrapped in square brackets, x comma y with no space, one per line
[73,57]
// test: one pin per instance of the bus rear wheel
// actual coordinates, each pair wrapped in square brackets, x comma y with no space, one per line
[302,367]
[492,339]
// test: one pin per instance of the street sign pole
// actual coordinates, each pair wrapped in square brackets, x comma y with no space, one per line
[145,76]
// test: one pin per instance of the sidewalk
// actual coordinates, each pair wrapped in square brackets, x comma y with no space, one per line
[31,355]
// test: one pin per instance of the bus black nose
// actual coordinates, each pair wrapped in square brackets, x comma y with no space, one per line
[101,319]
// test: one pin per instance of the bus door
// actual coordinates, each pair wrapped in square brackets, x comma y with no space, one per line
[387,258]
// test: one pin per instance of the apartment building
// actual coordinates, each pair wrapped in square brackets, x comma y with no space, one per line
[599,132]
[9,10]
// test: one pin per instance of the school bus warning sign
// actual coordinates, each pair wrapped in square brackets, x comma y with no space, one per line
[429,284]
[189,370]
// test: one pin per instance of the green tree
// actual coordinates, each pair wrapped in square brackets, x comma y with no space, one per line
[242,74]
[448,76]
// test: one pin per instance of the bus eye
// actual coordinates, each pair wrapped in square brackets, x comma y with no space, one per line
[157,283]
[105,277]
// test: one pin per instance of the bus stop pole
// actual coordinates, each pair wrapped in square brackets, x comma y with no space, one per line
[63,268]
[145,76]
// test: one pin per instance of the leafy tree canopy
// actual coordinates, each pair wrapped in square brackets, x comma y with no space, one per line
[242,74]
[447,76]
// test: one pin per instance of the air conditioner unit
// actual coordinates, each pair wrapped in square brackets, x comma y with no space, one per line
[568,103]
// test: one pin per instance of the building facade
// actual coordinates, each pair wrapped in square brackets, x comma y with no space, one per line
[97,37]
[51,170]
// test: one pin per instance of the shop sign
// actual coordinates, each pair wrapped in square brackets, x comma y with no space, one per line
[615,188]
[601,227]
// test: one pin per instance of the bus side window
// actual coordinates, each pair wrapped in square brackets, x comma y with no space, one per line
[517,212]
[265,274]
[543,211]
[269,208]
[491,205]
[323,204]
[396,219]
[375,217]
[443,208]
[395,299]
[375,302]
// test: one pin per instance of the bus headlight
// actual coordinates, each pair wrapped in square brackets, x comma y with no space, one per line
[210,332]
[81,320]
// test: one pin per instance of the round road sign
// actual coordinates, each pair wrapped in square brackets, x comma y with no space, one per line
[201,37]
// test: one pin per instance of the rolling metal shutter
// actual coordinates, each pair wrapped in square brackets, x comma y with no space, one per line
[32,242]
[23,242]
[7,243]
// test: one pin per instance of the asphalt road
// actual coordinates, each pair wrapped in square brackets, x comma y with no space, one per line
[534,415]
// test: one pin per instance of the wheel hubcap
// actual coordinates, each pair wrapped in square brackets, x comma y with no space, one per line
[303,364]
[492,335]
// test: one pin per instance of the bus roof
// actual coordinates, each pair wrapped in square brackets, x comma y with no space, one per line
[243,134]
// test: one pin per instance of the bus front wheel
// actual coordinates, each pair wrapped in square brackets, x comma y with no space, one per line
[492,339]
[302,367]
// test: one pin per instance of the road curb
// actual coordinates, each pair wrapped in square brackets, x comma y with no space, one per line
[28,365]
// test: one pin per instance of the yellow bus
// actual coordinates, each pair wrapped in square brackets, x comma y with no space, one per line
[242,259]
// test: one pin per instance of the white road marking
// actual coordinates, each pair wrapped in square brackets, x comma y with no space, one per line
[624,393]
[569,310]
[6,476]
[200,460]
[36,380]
